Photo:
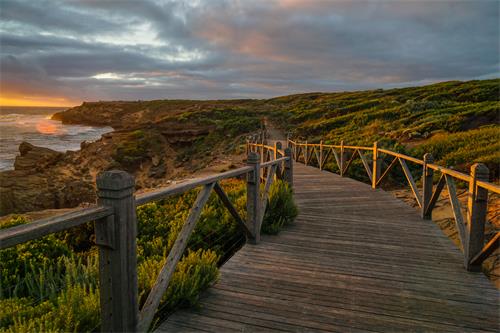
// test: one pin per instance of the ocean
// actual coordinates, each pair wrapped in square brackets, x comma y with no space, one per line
[33,124]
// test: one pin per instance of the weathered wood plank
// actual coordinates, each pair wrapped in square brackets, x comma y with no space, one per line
[435,196]
[355,260]
[457,211]
[26,232]
[487,250]
[365,164]
[151,305]
[232,210]
[413,186]
[387,170]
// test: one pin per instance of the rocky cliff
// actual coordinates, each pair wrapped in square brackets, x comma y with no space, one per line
[156,142]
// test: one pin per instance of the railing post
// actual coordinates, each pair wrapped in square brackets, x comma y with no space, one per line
[321,155]
[306,154]
[342,158]
[427,177]
[253,197]
[476,209]
[117,253]
[295,150]
[288,176]
[276,149]
[376,164]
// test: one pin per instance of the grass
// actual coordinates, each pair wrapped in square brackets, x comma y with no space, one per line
[458,122]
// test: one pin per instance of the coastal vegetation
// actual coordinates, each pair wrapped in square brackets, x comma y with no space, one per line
[51,284]
[458,122]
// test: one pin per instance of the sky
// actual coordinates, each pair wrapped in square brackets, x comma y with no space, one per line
[65,52]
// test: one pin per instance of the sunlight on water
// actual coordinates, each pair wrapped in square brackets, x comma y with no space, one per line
[46,127]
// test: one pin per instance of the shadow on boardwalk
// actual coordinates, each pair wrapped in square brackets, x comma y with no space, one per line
[355,260]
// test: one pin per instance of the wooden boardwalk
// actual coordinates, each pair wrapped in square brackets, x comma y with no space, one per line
[356,260]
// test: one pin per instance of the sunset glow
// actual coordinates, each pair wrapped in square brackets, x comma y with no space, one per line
[59,53]
[36,101]
[46,127]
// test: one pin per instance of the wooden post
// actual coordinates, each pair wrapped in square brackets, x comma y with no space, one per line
[295,149]
[427,186]
[118,259]
[253,197]
[476,210]
[305,154]
[321,155]
[342,158]
[277,146]
[288,176]
[376,165]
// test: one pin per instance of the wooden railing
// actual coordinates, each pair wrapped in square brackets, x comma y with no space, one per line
[471,230]
[116,232]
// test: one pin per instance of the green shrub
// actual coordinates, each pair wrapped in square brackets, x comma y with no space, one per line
[20,264]
[281,209]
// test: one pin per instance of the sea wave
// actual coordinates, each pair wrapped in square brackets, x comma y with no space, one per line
[38,129]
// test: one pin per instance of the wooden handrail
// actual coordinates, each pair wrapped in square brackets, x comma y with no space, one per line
[163,193]
[116,230]
[26,232]
[471,234]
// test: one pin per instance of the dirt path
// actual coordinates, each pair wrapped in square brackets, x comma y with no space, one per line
[274,133]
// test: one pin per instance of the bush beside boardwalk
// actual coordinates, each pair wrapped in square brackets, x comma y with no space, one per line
[51,284]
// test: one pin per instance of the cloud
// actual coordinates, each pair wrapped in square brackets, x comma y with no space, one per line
[90,50]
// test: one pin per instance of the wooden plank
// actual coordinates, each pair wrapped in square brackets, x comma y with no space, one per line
[355,260]
[325,157]
[366,165]
[265,194]
[350,161]
[155,295]
[477,209]
[387,170]
[402,156]
[457,211]
[317,156]
[36,229]
[435,195]
[232,210]
[411,182]
[163,193]
[487,250]
[337,159]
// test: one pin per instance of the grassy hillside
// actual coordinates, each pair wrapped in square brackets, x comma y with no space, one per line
[458,122]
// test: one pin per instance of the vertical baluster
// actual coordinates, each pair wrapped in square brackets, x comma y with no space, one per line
[427,187]
[476,215]
[321,155]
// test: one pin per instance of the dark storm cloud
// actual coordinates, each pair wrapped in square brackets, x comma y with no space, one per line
[215,49]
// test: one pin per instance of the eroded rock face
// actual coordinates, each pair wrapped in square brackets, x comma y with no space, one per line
[42,179]
[46,179]
[34,157]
